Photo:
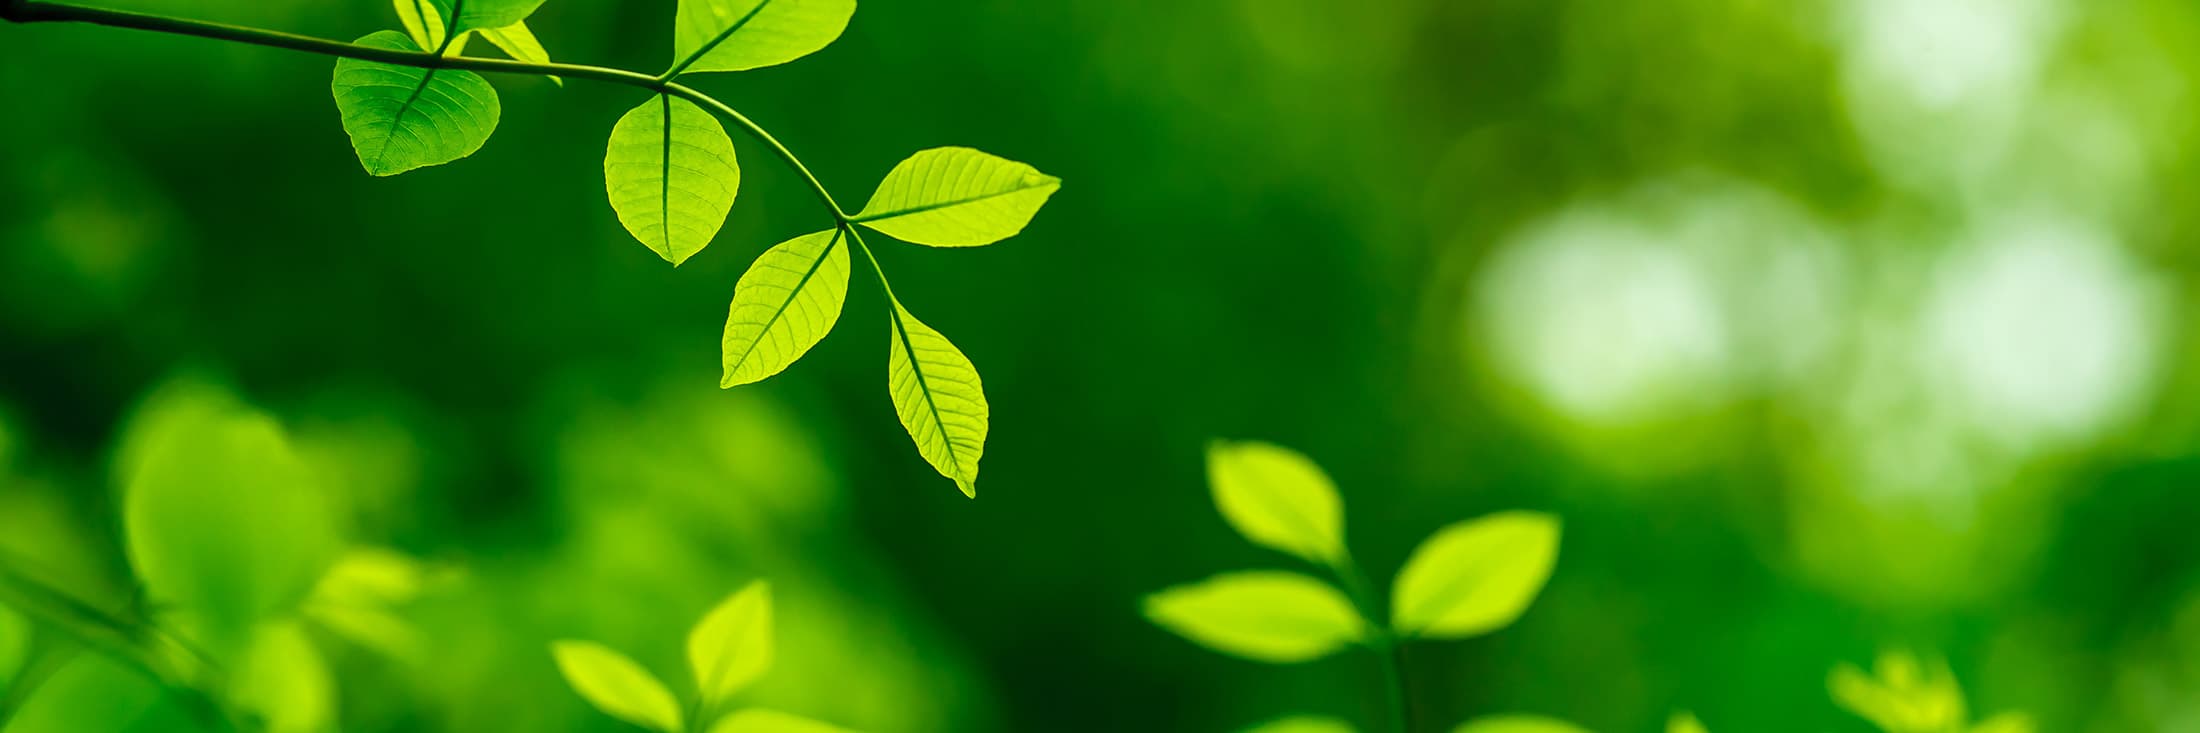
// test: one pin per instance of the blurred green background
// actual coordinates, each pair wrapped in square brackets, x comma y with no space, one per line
[1827,327]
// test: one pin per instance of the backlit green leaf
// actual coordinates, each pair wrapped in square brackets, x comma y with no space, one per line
[732,646]
[519,43]
[15,644]
[1476,576]
[1303,724]
[957,197]
[1518,724]
[786,303]
[480,14]
[671,175]
[226,525]
[285,682]
[401,118]
[732,35]
[2005,723]
[1277,498]
[423,22]
[758,720]
[616,685]
[939,398]
[1684,722]
[1270,616]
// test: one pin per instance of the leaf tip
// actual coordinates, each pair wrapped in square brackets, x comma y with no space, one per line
[969,487]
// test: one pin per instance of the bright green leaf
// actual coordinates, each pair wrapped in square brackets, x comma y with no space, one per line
[353,600]
[671,175]
[1277,498]
[480,14]
[285,682]
[732,646]
[401,118]
[732,35]
[1302,724]
[98,693]
[759,720]
[786,303]
[957,197]
[1684,722]
[226,525]
[1269,616]
[1476,576]
[15,644]
[2006,723]
[616,685]
[1518,724]
[373,628]
[519,43]
[423,22]
[939,399]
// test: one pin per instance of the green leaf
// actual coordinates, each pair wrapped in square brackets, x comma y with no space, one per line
[759,720]
[423,22]
[519,43]
[1277,498]
[939,398]
[226,525]
[401,118]
[1476,576]
[480,14]
[786,303]
[1518,724]
[15,644]
[1303,724]
[671,175]
[98,693]
[2003,723]
[285,681]
[354,598]
[732,646]
[616,685]
[733,35]
[957,197]
[1264,615]
[1684,722]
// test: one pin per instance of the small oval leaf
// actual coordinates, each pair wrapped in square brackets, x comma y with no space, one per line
[1518,724]
[1303,724]
[671,175]
[734,35]
[1269,616]
[1476,576]
[401,118]
[957,197]
[732,646]
[1277,498]
[939,398]
[759,720]
[616,685]
[786,303]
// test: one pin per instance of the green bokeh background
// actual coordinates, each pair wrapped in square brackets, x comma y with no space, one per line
[1827,326]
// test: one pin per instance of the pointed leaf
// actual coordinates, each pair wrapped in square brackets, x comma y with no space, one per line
[1476,576]
[786,303]
[480,14]
[423,22]
[1518,724]
[759,720]
[671,175]
[401,118]
[1277,498]
[1269,616]
[1303,724]
[1684,722]
[732,646]
[519,43]
[939,399]
[733,35]
[616,685]
[957,197]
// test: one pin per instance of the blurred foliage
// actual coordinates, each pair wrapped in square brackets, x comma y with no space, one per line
[1826,326]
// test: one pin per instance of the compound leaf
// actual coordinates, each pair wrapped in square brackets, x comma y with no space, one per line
[939,398]
[786,303]
[671,175]
[1476,576]
[733,35]
[957,197]
[759,720]
[616,685]
[732,646]
[1269,616]
[1277,498]
[401,118]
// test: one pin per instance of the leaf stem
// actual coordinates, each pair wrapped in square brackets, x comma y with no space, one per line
[1381,640]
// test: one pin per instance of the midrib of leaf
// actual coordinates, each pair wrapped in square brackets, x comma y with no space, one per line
[713,44]
[664,178]
[398,122]
[860,218]
[796,292]
[924,386]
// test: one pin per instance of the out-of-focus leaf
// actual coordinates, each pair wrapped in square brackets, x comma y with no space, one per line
[1903,695]
[1684,722]
[759,720]
[401,118]
[733,35]
[356,597]
[1269,616]
[671,175]
[957,197]
[15,644]
[2006,723]
[284,681]
[1518,724]
[480,14]
[616,685]
[1303,724]
[939,398]
[95,693]
[1277,498]
[1476,576]
[786,303]
[732,646]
